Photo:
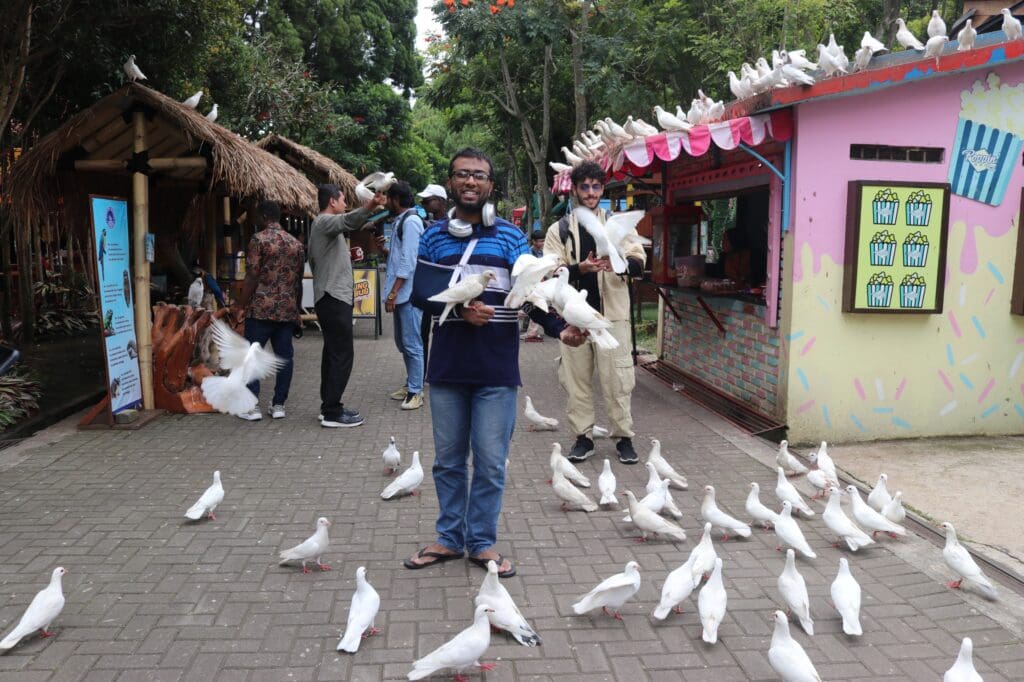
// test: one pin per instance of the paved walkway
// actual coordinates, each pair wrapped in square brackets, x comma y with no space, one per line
[152,598]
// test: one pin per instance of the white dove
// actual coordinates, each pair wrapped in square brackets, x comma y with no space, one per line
[505,615]
[41,612]
[966,37]
[654,500]
[840,524]
[528,272]
[824,461]
[678,586]
[936,26]
[740,88]
[608,235]
[786,491]
[935,46]
[791,74]
[311,549]
[248,362]
[616,130]
[134,73]
[861,59]
[879,495]
[195,292]
[872,43]
[963,669]
[798,58]
[572,497]
[599,432]
[793,589]
[570,158]
[756,508]
[963,565]
[837,53]
[654,482]
[787,657]
[580,314]
[827,62]
[663,468]
[702,556]
[845,593]
[611,592]
[407,481]
[392,457]
[638,127]
[559,167]
[377,182]
[905,38]
[647,521]
[710,512]
[361,614]
[789,533]
[208,501]
[711,604]
[193,101]
[538,422]
[868,518]
[1011,26]
[670,121]
[558,462]
[462,651]
[819,479]
[894,511]
[462,292]
[213,114]
[606,484]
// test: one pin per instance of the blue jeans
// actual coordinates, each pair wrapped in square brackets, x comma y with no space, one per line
[280,336]
[481,417]
[410,344]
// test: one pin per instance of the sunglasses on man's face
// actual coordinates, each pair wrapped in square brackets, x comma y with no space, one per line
[479,176]
[591,187]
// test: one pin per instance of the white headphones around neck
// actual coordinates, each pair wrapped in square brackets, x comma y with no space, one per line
[461,229]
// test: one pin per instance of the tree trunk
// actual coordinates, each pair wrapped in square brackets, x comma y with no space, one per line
[579,37]
[23,244]
[890,13]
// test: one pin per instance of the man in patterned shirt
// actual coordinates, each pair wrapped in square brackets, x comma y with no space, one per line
[271,298]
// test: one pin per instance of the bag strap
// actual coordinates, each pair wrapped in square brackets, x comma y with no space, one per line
[457,271]
[401,221]
[564,233]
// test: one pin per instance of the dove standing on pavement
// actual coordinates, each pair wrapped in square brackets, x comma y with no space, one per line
[963,565]
[758,512]
[819,479]
[936,26]
[656,482]
[505,615]
[963,669]
[406,482]
[678,586]
[786,491]
[41,612]
[648,521]
[208,501]
[665,469]
[789,533]
[710,512]
[654,500]
[573,499]
[528,271]
[793,589]
[462,292]
[134,73]
[785,459]
[392,457]
[247,362]
[538,422]
[787,657]
[193,101]
[1011,26]
[845,593]
[611,592]
[702,557]
[840,524]
[606,484]
[966,37]
[558,462]
[868,518]
[361,614]
[824,462]
[894,511]
[711,604]
[462,651]
[905,38]
[311,549]
[879,495]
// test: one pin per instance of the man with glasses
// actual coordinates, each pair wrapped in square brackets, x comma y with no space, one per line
[474,369]
[608,293]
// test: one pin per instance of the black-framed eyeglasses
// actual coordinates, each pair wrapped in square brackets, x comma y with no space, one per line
[592,187]
[479,176]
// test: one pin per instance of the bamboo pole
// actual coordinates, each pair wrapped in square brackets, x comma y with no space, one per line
[140,219]
[211,235]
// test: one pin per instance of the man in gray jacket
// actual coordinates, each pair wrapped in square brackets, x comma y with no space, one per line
[331,264]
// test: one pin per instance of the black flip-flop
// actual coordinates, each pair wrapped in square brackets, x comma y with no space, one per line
[482,563]
[438,558]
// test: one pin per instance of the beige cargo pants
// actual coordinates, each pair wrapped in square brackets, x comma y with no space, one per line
[617,377]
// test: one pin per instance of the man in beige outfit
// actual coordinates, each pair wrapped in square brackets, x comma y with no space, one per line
[608,293]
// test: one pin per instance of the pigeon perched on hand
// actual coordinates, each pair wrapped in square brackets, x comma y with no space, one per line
[377,182]
[248,362]
[41,612]
[462,651]
[208,501]
[134,73]
[462,292]
[963,565]
[611,592]
[406,482]
[311,549]
[580,314]
[361,614]
[527,272]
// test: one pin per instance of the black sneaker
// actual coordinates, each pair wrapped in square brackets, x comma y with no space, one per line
[344,421]
[583,449]
[627,455]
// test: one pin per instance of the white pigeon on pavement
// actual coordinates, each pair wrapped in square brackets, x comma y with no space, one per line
[963,565]
[537,421]
[966,37]
[505,615]
[41,612]
[758,512]
[611,592]
[392,457]
[872,43]
[879,495]
[527,272]
[580,314]
[134,73]
[845,593]
[819,479]
[461,652]
[840,524]
[788,531]
[1011,26]
[787,657]
[710,512]
[963,669]
[936,26]
[654,483]
[648,521]
[670,121]
[311,549]
[678,586]
[247,362]
[905,38]
[785,459]
[213,114]
[462,292]
[894,511]
[824,462]
[935,46]
[208,501]
[868,518]
[786,491]
[711,604]
[407,481]
[573,499]
[654,500]
[193,101]
[361,614]
[793,589]
[606,484]
[702,556]
[663,468]
[558,462]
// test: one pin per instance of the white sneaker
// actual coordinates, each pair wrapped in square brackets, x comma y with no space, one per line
[253,415]
[277,412]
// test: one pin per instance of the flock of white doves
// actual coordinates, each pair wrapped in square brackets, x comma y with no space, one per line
[786,68]
[881,513]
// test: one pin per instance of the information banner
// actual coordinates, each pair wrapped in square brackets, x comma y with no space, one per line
[113,269]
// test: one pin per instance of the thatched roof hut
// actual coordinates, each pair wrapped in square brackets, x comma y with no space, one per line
[316,166]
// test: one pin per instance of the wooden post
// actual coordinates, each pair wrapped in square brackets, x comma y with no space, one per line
[140,221]
[211,235]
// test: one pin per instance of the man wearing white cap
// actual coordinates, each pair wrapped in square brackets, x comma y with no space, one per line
[434,202]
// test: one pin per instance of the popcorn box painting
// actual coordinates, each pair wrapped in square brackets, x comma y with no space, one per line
[879,290]
[885,208]
[915,250]
[882,248]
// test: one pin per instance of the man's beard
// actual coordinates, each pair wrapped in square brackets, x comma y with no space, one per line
[471,207]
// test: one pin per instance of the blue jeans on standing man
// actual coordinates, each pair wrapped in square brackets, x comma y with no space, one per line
[410,344]
[280,336]
[482,418]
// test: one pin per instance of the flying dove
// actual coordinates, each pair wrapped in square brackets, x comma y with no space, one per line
[208,501]
[406,482]
[710,512]
[845,593]
[528,271]
[963,565]
[462,651]
[611,592]
[464,291]
[504,614]
[41,612]
[248,362]
[793,589]
[361,614]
